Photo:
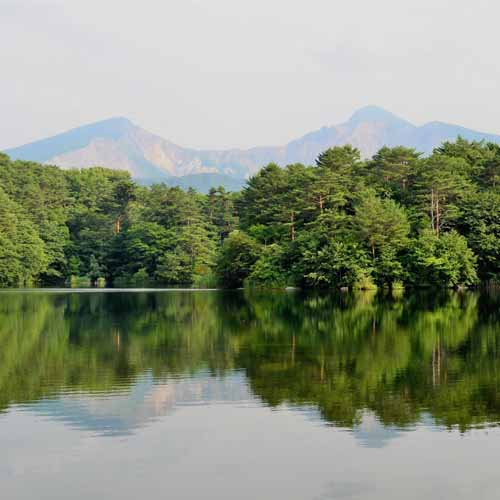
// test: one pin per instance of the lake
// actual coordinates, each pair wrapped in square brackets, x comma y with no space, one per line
[246,395]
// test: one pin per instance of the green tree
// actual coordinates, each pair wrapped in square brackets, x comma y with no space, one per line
[327,262]
[478,155]
[480,224]
[337,177]
[236,258]
[221,212]
[95,271]
[381,223]
[444,261]
[268,271]
[22,255]
[259,201]
[42,192]
[394,169]
[441,183]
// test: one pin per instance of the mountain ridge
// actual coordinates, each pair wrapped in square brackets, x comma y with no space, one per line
[120,144]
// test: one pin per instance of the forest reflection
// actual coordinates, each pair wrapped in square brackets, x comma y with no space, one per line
[402,357]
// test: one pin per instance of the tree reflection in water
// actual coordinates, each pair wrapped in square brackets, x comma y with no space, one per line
[400,357]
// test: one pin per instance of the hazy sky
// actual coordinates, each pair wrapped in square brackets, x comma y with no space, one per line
[220,73]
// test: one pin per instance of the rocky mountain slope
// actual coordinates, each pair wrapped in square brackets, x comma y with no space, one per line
[118,143]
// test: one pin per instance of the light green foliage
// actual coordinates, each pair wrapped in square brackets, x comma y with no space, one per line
[262,233]
[22,254]
[43,193]
[481,157]
[74,266]
[141,277]
[442,183]
[444,261]
[174,267]
[329,262]
[384,228]
[268,271]
[381,223]
[95,271]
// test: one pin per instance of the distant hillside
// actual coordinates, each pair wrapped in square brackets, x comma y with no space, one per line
[118,143]
[204,182]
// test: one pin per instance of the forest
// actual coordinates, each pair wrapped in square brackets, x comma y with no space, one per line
[397,219]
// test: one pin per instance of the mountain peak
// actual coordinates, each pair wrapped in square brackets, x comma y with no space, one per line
[375,114]
[116,120]
[115,125]
[76,138]
[118,143]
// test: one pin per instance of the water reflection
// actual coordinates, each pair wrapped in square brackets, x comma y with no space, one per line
[377,364]
[119,413]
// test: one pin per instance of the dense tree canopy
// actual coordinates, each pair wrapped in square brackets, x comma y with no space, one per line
[398,218]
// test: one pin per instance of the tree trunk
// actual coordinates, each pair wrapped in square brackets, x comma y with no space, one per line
[118,225]
[438,215]
[432,210]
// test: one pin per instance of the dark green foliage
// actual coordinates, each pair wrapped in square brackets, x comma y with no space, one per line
[221,212]
[349,223]
[254,206]
[345,222]
[100,199]
[338,176]
[393,170]
[237,256]
[480,223]
[169,236]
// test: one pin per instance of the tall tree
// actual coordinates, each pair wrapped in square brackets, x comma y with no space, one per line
[236,259]
[221,212]
[22,255]
[393,169]
[441,183]
[337,177]
[381,223]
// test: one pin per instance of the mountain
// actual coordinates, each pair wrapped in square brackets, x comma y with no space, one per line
[204,182]
[118,143]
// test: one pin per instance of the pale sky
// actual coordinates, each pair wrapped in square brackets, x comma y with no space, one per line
[240,73]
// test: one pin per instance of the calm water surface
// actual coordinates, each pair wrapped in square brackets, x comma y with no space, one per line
[231,395]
